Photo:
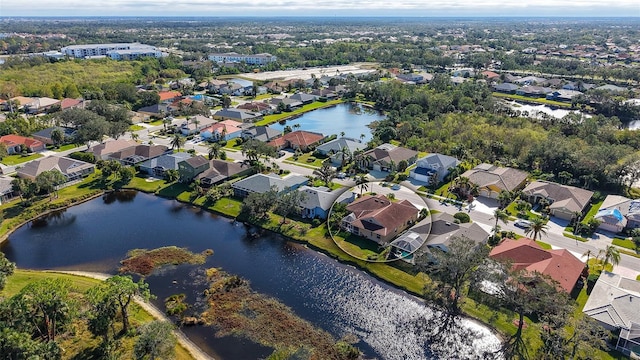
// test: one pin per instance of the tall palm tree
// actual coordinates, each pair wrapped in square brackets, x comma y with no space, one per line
[362,182]
[325,173]
[538,228]
[214,151]
[611,255]
[589,254]
[500,215]
[177,141]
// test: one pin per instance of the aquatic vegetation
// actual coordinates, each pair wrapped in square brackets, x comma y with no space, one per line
[144,262]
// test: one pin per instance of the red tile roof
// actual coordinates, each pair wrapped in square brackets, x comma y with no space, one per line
[69,103]
[526,254]
[13,140]
[388,215]
[302,138]
[168,95]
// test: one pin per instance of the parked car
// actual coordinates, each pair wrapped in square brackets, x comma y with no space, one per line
[522,223]
[341,175]
[395,187]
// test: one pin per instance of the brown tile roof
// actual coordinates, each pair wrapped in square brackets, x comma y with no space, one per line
[526,254]
[146,151]
[254,106]
[220,170]
[197,161]
[110,147]
[69,103]
[388,215]
[504,178]
[65,165]
[395,154]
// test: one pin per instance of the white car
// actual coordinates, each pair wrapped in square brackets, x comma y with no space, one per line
[522,223]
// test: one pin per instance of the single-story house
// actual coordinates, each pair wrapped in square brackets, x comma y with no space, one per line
[442,228]
[564,200]
[138,153]
[169,96]
[158,166]
[490,75]
[303,98]
[506,88]
[318,201]
[220,170]
[533,91]
[387,156]
[195,124]
[14,144]
[45,134]
[156,110]
[613,303]
[103,150]
[612,88]
[618,212]
[563,95]
[223,130]
[491,179]
[238,115]
[68,103]
[261,183]
[41,104]
[531,80]
[335,148]
[299,139]
[6,189]
[260,133]
[379,219]
[526,254]
[191,167]
[72,169]
[288,102]
[437,165]
[256,107]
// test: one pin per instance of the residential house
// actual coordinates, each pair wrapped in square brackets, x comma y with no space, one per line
[41,104]
[433,165]
[618,212]
[169,96]
[261,183]
[238,115]
[508,78]
[15,143]
[490,75]
[220,170]
[580,86]
[231,89]
[260,133]
[324,93]
[191,167]
[339,148]
[564,200]
[72,169]
[506,88]
[157,110]
[103,150]
[288,103]
[554,83]
[318,201]
[613,303]
[563,95]
[45,134]
[215,85]
[67,103]
[256,107]
[386,157]
[223,130]
[158,166]
[6,189]
[612,88]
[531,80]
[303,98]
[136,154]
[527,255]
[22,102]
[491,179]
[533,91]
[195,124]
[443,228]
[379,219]
[299,139]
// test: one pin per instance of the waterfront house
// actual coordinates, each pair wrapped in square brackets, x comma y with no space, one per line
[563,95]
[303,98]
[240,115]
[6,189]
[506,88]
[443,228]
[433,165]
[318,201]
[256,107]
[15,143]
[71,169]
[158,166]
[103,150]
[261,183]
[220,170]
[260,133]
[191,167]
[299,139]
[564,200]
[138,153]
[387,156]
[379,219]
[491,179]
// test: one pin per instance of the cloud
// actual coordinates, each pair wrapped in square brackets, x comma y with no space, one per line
[319,7]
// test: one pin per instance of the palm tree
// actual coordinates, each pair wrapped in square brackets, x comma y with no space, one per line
[214,151]
[134,136]
[296,126]
[165,122]
[341,134]
[538,227]
[504,198]
[611,255]
[589,254]
[177,141]
[362,182]
[500,215]
[325,173]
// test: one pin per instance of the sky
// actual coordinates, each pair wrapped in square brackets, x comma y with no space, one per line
[338,8]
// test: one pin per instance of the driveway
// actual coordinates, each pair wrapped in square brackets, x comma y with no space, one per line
[483,205]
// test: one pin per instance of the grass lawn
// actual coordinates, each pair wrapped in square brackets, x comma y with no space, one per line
[258,97]
[544,245]
[82,340]
[233,145]
[332,185]
[543,101]
[65,147]
[19,159]
[228,206]
[574,237]
[593,210]
[135,127]
[309,160]
[269,119]
[148,185]
[172,191]
[155,122]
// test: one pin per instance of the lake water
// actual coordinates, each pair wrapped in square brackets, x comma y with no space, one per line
[96,235]
[350,118]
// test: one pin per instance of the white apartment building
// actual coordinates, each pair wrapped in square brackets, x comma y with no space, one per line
[119,51]
[232,57]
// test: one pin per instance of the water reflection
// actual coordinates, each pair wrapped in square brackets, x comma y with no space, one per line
[55,218]
[120,196]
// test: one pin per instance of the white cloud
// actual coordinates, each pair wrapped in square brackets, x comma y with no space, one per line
[353,7]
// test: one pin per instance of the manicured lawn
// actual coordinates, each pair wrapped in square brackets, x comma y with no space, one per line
[258,97]
[136,127]
[172,191]
[574,237]
[532,100]
[65,147]
[148,185]
[625,243]
[332,185]
[155,122]
[269,119]
[233,145]
[593,210]
[19,159]
[544,245]
[309,160]
[21,278]
[228,206]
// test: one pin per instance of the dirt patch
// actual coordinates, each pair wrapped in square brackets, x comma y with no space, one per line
[143,261]
[235,309]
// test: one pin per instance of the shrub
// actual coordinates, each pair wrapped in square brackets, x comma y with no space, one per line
[402,177]
[591,282]
[83,156]
[463,217]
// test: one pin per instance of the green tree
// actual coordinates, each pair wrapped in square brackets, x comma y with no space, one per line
[214,150]
[156,341]
[123,290]
[226,101]
[177,141]
[362,183]
[6,270]
[326,173]
[499,215]
[102,313]
[171,175]
[48,181]
[610,255]
[288,203]
[126,174]
[57,136]
[537,228]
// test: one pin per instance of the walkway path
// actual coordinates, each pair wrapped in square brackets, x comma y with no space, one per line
[192,348]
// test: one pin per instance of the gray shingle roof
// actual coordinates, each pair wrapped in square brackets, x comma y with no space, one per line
[167,161]
[338,144]
[261,183]
[614,300]
[564,196]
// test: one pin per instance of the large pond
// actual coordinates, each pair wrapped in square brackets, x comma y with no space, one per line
[95,235]
[352,119]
